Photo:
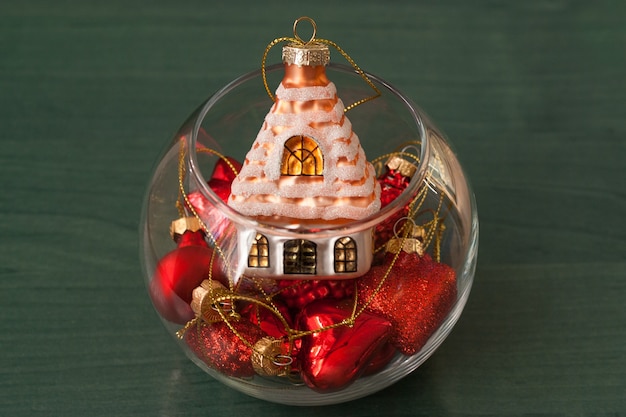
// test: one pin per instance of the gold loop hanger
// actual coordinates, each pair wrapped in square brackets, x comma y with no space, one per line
[295,29]
[297,40]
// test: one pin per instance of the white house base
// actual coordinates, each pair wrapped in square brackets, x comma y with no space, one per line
[280,257]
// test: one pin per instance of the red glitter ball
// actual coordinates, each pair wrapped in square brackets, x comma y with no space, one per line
[416,297]
[218,346]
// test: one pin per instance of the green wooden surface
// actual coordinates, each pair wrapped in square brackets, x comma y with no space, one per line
[532,95]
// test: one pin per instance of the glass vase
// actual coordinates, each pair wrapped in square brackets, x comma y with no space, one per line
[433,212]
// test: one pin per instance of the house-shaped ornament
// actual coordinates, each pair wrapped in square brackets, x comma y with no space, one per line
[306,169]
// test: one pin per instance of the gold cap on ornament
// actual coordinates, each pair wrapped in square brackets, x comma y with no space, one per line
[180,226]
[204,304]
[413,243]
[267,358]
[401,165]
[308,53]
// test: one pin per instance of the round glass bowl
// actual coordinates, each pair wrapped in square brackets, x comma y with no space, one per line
[257,333]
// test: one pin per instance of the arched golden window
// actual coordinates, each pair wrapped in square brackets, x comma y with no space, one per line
[300,257]
[345,255]
[259,256]
[302,156]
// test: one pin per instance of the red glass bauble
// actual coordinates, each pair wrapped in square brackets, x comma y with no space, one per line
[175,277]
[223,175]
[190,238]
[214,220]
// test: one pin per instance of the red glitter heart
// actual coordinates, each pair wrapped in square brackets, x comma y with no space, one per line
[416,297]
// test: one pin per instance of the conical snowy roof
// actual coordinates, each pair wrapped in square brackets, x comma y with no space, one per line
[306,161]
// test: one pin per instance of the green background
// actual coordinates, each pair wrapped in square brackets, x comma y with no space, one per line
[531,93]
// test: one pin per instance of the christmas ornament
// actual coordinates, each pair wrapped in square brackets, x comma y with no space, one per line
[269,322]
[227,348]
[410,290]
[393,181]
[207,302]
[224,173]
[380,359]
[306,167]
[334,358]
[272,357]
[298,293]
[180,271]
[320,268]
[189,238]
